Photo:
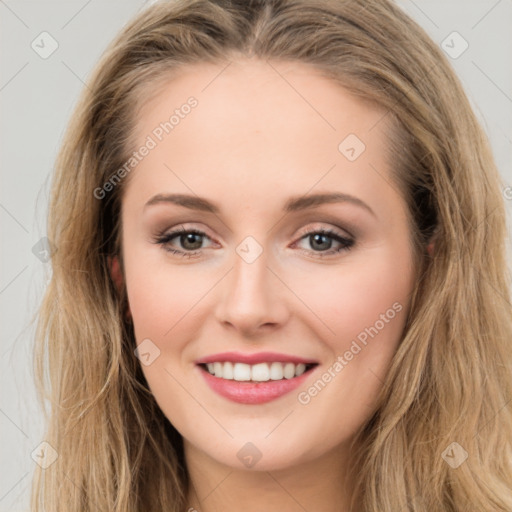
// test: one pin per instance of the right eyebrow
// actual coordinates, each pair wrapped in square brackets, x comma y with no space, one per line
[187,201]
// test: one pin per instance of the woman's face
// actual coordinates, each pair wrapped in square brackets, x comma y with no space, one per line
[262,234]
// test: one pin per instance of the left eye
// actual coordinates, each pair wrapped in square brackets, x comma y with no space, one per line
[321,242]
[191,242]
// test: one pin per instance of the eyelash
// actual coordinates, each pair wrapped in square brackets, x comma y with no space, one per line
[164,238]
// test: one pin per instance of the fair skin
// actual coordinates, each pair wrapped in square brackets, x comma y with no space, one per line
[256,139]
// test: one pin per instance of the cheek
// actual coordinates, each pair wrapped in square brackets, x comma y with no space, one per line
[366,309]
[160,296]
[364,292]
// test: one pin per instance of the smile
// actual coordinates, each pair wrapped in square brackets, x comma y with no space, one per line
[254,378]
[261,372]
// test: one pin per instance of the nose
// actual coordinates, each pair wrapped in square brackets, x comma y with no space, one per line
[252,298]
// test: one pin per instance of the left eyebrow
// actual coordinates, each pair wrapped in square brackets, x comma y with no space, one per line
[292,205]
[310,201]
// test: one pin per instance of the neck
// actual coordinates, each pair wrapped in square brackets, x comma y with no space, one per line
[323,484]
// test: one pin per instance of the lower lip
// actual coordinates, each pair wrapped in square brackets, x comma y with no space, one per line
[253,392]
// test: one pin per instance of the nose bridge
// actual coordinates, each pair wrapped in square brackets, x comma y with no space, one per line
[251,298]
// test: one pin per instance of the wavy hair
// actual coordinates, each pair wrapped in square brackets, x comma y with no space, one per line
[450,379]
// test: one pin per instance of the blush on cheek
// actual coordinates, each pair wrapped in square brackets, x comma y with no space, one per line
[348,309]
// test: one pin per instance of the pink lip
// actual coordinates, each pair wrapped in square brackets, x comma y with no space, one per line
[260,357]
[252,392]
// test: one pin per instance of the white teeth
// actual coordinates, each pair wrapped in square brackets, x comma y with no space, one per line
[276,371]
[217,369]
[289,371]
[300,369]
[241,372]
[261,372]
[227,371]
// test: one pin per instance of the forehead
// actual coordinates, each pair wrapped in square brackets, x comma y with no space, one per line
[266,93]
[269,127]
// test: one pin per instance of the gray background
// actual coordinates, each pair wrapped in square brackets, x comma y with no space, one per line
[37,96]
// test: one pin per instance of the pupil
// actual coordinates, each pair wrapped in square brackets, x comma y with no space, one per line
[318,238]
[190,238]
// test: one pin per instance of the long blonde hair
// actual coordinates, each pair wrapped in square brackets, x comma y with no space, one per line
[450,380]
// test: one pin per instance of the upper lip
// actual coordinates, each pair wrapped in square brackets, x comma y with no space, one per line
[259,357]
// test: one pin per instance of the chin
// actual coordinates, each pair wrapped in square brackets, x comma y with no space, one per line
[260,454]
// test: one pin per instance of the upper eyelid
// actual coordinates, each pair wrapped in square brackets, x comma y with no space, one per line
[333,232]
[186,229]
